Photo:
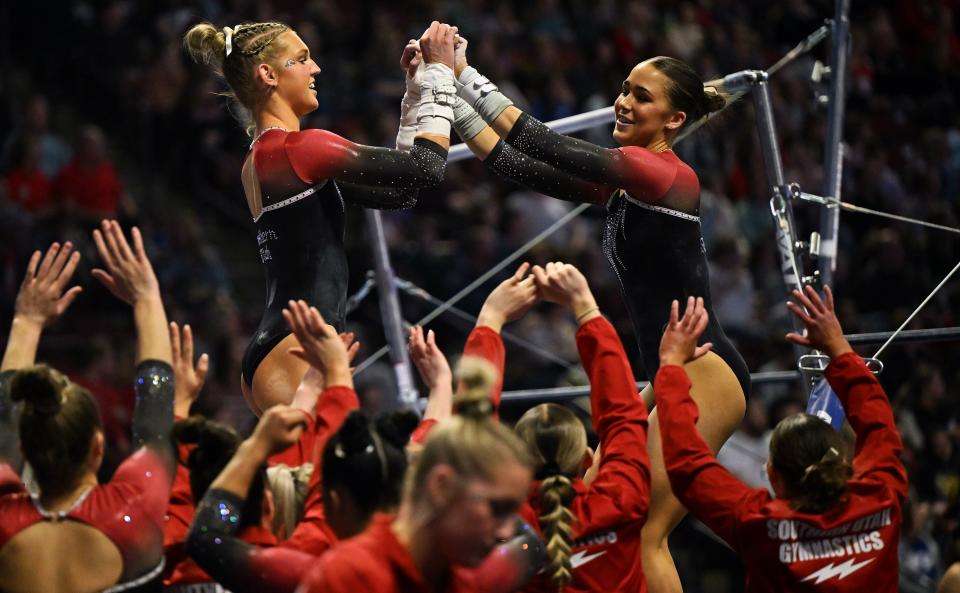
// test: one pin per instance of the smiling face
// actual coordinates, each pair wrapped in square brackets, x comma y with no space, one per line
[644,114]
[295,75]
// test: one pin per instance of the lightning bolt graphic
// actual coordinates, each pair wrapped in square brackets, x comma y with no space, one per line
[581,558]
[840,571]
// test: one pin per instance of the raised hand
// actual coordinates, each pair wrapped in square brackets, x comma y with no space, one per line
[459,55]
[679,343]
[41,298]
[410,60]
[129,274]
[823,328]
[429,360]
[564,284]
[188,377]
[510,300]
[279,427]
[320,346]
[437,44]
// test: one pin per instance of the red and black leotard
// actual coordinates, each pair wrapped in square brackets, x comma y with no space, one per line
[129,509]
[305,180]
[652,238]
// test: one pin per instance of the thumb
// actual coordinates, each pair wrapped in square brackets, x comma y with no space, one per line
[67,299]
[203,365]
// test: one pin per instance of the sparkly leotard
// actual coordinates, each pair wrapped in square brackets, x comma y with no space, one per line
[655,248]
[129,509]
[306,178]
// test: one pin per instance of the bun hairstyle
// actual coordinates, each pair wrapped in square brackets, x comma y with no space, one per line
[57,426]
[687,91]
[471,442]
[556,438]
[806,452]
[250,44]
[214,446]
[368,458]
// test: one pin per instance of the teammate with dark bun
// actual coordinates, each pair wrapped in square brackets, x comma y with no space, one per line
[72,534]
[831,526]
[652,238]
[297,182]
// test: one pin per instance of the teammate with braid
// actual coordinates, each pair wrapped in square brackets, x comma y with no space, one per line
[591,521]
[297,182]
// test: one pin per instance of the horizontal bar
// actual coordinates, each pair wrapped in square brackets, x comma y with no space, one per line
[568,393]
[940,334]
[564,125]
[913,335]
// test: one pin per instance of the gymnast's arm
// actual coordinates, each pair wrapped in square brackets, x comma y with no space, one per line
[512,164]
[212,541]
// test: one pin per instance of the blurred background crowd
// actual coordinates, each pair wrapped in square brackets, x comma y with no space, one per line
[102,114]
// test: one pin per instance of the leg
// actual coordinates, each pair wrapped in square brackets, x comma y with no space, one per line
[276,379]
[720,398]
[951,580]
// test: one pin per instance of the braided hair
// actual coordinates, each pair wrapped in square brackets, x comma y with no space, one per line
[556,438]
[250,44]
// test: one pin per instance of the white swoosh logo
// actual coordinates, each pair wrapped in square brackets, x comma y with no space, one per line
[581,558]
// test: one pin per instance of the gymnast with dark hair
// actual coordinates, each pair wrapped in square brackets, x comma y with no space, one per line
[297,181]
[831,525]
[652,238]
[69,533]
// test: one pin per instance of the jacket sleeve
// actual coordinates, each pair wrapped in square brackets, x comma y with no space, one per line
[868,411]
[487,344]
[698,480]
[621,490]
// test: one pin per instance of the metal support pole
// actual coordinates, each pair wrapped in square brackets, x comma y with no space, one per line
[833,150]
[780,201]
[390,311]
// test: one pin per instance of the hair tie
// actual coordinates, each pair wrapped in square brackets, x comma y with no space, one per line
[228,41]
[548,471]
[831,455]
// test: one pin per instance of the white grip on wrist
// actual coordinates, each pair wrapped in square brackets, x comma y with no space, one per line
[437,96]
[481,94]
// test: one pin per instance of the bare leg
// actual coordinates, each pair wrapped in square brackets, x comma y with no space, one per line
[721,401]
[276,379]
[951,580]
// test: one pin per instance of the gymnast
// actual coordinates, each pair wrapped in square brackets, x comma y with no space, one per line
[72,534]
[652,238]
[297,181]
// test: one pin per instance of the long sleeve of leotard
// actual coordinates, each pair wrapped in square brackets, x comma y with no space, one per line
[512,164]
[621,490]
[316,155]
[709,490]
[377,198]
[636,170]
[153,413]
[878,450]
[9,427]
[237,565]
